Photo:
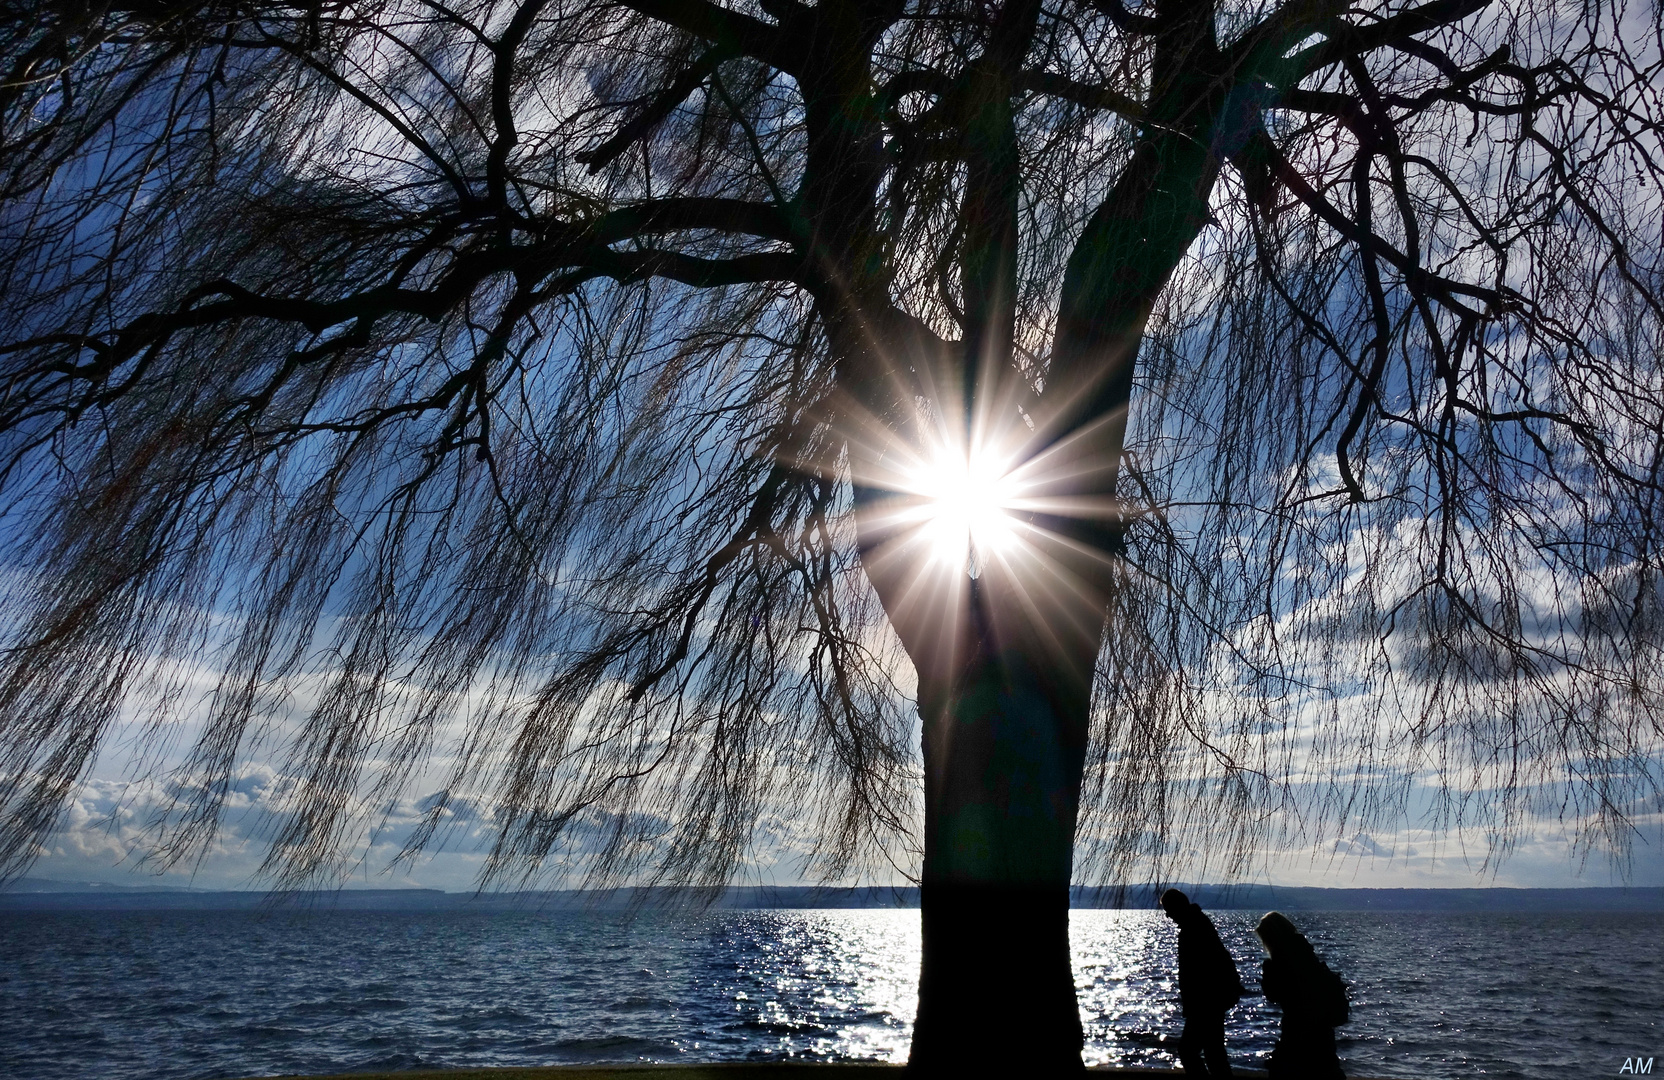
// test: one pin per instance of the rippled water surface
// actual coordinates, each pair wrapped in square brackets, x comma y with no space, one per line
[128,995]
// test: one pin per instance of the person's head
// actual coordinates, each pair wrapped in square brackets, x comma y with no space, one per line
[1175,903]
[1276,933]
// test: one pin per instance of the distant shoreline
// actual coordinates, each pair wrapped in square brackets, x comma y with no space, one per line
[38,895]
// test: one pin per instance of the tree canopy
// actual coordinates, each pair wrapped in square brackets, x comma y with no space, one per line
[483,398]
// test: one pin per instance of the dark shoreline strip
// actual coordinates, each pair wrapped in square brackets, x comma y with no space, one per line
[737,1070]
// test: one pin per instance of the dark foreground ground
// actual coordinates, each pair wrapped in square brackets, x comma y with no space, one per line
[725,1071]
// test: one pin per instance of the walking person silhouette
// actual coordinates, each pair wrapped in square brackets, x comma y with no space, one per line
[1313,1000]
[1208,987]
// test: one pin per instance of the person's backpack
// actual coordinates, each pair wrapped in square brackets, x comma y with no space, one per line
[1234,989]
[1227,982]
[1329,998]
[1224,984]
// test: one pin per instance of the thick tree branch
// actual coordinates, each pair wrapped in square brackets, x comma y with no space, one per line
[1092,97]
[638,265]
[655,216]
[1343,39]
[502,95]
[663,104]
[730,30]
[1124,20]
[989,206]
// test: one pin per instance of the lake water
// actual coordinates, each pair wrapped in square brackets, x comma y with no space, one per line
[209,994]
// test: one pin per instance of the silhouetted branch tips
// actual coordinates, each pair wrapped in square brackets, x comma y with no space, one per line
[448,416]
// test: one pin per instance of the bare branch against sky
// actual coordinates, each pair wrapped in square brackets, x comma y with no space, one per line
[627,418]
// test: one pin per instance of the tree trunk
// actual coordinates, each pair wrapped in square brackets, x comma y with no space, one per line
[1004,748]
[1005,661]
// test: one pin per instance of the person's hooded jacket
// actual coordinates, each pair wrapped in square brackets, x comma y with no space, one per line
[1208,981]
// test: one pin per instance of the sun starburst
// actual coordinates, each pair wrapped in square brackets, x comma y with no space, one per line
[965,505]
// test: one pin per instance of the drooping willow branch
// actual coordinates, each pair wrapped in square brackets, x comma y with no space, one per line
[469,392]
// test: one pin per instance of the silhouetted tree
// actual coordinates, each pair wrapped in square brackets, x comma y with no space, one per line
[588,402]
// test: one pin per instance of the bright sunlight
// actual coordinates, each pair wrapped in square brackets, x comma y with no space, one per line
[967,503]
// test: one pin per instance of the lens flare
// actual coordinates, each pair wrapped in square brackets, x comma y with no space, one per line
[966,506]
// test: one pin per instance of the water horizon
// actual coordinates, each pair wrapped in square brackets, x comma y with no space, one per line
[205,994]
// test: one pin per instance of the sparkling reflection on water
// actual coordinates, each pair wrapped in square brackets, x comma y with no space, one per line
[823,984]
[153,995]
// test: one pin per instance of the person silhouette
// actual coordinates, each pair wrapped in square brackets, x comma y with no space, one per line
[1313,1000]
[1208,987]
